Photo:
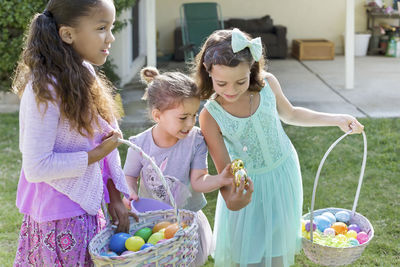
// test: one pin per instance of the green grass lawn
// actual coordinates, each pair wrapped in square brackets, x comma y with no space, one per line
[379,199]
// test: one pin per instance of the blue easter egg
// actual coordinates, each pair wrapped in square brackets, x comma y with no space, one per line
[330,216]
[322,223]
[147,245]
[117,242]
[342,216]
[108,254]
[353,242]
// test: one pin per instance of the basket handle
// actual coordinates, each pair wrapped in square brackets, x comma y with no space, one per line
[158,171]
[319,171]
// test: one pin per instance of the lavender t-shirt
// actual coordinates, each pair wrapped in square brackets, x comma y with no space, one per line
[175,162]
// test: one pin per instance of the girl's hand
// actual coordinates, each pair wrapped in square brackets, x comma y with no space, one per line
[237,198]
[127,203]
[109,143]
[347,123]
[133,196]
[110,140]
[226,177]
[120,216]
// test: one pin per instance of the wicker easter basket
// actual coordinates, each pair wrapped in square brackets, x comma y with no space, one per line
[180,250]
[333,256]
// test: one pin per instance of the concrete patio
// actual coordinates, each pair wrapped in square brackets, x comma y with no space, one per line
[317,85]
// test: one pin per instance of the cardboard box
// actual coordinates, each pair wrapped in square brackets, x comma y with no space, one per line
[313,49]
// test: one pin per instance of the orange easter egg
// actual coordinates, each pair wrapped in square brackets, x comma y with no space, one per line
[340,228]
[160,225]
[171,230]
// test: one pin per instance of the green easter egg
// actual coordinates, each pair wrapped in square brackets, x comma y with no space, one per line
[144,233]
[154,238]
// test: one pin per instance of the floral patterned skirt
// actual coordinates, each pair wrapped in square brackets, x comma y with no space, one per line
[57,243]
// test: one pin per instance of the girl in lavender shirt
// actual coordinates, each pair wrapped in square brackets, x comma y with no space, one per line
[68,134]
[178,148]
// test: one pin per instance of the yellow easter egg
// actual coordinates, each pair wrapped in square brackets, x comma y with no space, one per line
[351,234]
[303,225]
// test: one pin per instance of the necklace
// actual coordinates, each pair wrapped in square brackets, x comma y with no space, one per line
[251,104]
[251,110]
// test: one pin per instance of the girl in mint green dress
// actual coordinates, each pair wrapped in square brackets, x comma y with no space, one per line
[242,120]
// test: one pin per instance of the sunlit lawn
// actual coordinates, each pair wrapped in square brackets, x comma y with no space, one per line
[379,200]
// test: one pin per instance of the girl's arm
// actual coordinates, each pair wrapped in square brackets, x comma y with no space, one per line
[117,209]
[305,117]
[133,187]
[37,139]
[109,143]
[235,199]
[203,182]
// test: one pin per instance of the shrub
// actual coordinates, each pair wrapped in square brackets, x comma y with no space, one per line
[13,22]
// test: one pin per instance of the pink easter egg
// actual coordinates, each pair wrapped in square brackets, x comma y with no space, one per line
[362,237]
[329,232]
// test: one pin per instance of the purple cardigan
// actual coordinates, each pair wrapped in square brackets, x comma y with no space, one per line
[56,181]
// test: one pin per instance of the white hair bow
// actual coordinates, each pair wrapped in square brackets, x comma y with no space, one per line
[240,42]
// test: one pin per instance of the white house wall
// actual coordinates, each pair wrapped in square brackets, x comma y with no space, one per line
[303,18]
[121,49]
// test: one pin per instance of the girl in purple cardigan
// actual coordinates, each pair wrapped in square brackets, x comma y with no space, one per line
[68,134]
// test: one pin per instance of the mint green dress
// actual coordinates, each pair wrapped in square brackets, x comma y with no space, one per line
[268,230]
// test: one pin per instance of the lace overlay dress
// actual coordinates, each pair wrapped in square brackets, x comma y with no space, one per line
[268,229]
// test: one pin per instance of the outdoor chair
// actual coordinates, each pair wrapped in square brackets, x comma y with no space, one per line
[198,21]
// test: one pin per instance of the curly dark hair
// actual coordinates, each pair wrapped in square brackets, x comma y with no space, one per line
[217,50]
[48,61]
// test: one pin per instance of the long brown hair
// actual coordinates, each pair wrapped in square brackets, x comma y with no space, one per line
[217,50]
[48,61]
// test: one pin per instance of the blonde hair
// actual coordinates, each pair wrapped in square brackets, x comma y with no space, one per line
[167,90]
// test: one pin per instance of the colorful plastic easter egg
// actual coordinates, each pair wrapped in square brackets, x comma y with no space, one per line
[353,242]
[160,226]
[306,234]
[342,216]
[171,230]
[351,233]
[303,225]
[147,245]
[108,254]
[330,216]
[134,243]
[144,233]
[154,238]
[308,226]
[354,227]
[117,242]
[329,232]
[340,228]
[322,223]
[162,231]
[362,237]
